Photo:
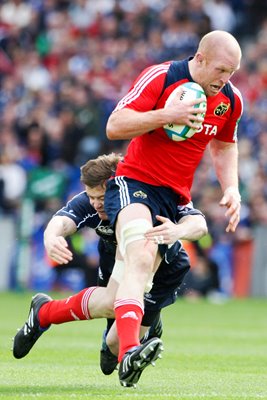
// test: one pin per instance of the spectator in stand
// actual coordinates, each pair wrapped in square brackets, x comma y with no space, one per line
[227,20]
[68,40]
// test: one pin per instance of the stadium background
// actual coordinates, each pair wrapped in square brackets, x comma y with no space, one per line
[63,66]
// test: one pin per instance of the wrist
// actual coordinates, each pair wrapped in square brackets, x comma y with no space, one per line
[233,190]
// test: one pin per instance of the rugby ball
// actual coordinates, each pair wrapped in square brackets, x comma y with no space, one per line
[191,90]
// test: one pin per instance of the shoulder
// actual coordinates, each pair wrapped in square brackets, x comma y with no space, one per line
[178,73]
[80,200]
[152,74]
[146,89]
[156,68]
[80,210]
[235,97]
[80,197]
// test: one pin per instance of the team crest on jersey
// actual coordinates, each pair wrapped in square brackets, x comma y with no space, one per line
[106,230]
[221,109]
[141,194]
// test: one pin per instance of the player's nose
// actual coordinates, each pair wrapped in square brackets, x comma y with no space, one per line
[98,205]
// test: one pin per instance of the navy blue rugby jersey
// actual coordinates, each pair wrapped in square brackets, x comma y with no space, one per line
[188,209]
[84,215]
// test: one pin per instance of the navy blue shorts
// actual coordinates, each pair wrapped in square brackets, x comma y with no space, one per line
[122,191]
[168,278]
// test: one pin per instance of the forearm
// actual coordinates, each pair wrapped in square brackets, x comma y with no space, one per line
[127,124]
[54,239]
[191,228]
[225,161]
[59,226]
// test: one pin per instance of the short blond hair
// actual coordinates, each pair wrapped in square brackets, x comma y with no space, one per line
[97,171]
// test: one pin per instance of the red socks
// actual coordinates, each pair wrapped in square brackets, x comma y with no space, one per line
[74,308]
[129,313]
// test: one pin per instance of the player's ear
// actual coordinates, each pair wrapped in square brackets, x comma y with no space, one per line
[199,57]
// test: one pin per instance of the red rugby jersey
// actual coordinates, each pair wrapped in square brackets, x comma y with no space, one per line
[154,158]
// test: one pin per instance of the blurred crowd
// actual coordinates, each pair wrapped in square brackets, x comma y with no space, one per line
[64,64]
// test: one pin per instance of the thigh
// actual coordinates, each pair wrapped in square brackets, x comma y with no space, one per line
[133,212]
[121,192]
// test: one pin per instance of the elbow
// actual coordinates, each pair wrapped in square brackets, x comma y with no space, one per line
[204,230]
[109,134]
[45,234]
[111,131]
[201,227]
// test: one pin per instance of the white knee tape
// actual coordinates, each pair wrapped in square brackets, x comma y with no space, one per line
[118,271]
[132,231]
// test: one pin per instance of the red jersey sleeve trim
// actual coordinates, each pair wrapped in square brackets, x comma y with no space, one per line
[141,83]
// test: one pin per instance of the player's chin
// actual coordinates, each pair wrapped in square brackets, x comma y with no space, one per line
[102,215]
[213,90]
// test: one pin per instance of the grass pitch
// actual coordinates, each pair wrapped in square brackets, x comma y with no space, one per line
[212,352]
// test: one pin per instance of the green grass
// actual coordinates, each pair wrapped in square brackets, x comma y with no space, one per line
[211,352]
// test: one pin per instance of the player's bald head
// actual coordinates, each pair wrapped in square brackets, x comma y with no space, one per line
[217,58]
[222,41]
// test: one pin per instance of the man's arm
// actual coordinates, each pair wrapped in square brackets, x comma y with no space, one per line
[190,227]
[54,238]
[225,161]
[127,123]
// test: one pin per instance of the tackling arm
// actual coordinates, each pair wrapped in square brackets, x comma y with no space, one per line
[54,238]
[190,227]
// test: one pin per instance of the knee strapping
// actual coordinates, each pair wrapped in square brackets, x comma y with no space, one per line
[132,231]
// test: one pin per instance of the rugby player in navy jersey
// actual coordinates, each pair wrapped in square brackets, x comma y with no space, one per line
[162,170]
[86,210]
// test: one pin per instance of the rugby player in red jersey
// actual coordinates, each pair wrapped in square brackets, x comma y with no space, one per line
[157,173]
